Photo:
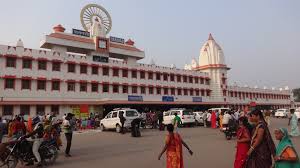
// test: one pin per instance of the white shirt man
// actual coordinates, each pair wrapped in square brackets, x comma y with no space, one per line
[208,117]
[226,118]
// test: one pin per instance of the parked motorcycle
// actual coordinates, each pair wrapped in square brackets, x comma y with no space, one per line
[21,150]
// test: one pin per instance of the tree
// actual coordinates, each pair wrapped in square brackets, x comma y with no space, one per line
[296,93]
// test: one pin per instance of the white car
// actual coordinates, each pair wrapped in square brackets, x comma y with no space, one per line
[218,110]
[282,113]
[199,118]
[112,120]
[187,117]
[297,112]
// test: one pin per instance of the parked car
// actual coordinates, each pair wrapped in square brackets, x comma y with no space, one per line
[112,120]
[297,112]
[199,118]
[187,116]
[219,110]
[281,113]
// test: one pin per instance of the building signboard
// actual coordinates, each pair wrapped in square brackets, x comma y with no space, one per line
[168,99]
[97,58]
[135,98]
[81,33]
[197,99]
[116,40]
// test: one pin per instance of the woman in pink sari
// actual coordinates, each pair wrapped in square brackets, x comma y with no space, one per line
[173,147]
[243,142]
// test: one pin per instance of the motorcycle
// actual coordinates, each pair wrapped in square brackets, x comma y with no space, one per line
[230,130]
[21,150]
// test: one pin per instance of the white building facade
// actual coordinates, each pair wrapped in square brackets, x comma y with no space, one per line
[90,69]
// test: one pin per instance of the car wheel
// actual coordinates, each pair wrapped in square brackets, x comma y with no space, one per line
[102,128]
[118,128]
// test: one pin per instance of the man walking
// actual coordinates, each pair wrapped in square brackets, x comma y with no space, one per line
[204,117]
[122,120]
[68,126]
[177,121]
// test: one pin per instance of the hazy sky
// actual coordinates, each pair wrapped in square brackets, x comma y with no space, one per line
[260,38]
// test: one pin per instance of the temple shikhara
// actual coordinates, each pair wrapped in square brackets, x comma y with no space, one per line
[89,68]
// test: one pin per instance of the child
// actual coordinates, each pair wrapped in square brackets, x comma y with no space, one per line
[243,143]
[286,155]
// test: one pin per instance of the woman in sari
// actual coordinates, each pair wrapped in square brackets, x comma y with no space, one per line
[213,120]
[243,143]
[262,146]
[286,155]
[293,121]
[173,147]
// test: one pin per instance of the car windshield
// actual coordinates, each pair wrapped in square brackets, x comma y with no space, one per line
[166,113]
[131,113]
[281,110]
[187,112]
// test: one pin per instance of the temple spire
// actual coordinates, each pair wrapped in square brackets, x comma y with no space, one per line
[210,37]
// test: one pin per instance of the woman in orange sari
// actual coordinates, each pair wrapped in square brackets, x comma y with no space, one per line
[173,147]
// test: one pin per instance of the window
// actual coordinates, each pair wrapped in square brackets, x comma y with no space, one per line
[71,86]
[134,89]
[95,70]
[201,80]
[26,84]
[105,88]
[8,110]
[9,83]
[125,89]
[208,92]
[105,71]
[40,110]
[207,81]
[190,79]
[95,87]
[41,85]
[172,77]
[42,65]
[27,63]
[55,109]
[165,76]
[83,87]
[166,91]
[11,62]
[143,90]
[142,74]
[134,74]
[55,85]
[150,90]
[56,66]
[178,78]
[114,114]
[125,73]
[172,91]
[115,88]
[202,93]
[185,79]
[179,92]
[196,80]
[192,92]
[150,75]
[71,68]
[157,76]
[83,69]
[158,91]
[185,92]
[197,93]
[24,110]
[116,72]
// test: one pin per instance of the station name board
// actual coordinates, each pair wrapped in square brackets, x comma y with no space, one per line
[135,98]
[97,58]
[197,99]
[80,33]
[116,40]
[168,99]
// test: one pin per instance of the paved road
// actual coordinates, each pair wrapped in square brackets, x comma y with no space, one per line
[112,150]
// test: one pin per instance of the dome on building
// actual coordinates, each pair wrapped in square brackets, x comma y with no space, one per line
[211,53]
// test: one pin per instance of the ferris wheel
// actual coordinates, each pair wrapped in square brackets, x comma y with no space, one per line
[92,11]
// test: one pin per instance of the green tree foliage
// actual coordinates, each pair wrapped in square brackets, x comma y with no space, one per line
[296,93]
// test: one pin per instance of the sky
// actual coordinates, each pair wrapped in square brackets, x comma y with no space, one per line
[260,38]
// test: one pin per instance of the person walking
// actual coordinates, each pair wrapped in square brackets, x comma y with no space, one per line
[2,129]
[208,119]
[205,118]
[293,122]
[286,155]
[213,120]
[68,126]
[262,146]
[267,117]
[243,142]
[176,122]
[160,120]
[173,146]
[122,120]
